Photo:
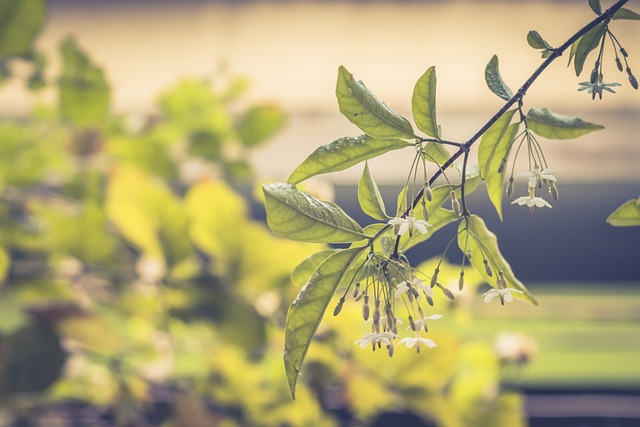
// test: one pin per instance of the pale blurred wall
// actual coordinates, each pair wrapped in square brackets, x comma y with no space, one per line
[291,51]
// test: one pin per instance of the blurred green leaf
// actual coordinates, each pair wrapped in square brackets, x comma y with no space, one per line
[627,215]
[473,234]
[297,215]
[536,41]
[555,126]
[342,154]
[436,152]
[423,103]
[366,111]
[305,269]
[494,80]
[623,13]
[306,312]
[148,152]
[84,94]
[369,196]
[259,124]
[595,6]
[493,149]
[20,21]
[586,44]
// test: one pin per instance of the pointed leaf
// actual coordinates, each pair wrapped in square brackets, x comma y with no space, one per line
[423,103]
[306,312]
[595,6]
[369,196]
[587,43]
[536,41]
[626,14]
[626,215]
[572,52]
[555,126]
[297,215]
[343,153]
[305,269]
[494,81]
[494,147]
[475,228]
[436,152]
[366,111]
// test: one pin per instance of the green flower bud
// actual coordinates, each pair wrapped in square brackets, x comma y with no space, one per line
[501,165]
[461,281]
[338,308]
[446,291]
[365,308]
[624,52]
[619,64]
[455,206]
[429,300]
[357,288]
[428,194]
[487,268]
[434,278]
[633,81]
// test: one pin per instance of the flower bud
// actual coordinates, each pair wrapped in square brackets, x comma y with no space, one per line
[428,194]
[619,64]
[446,291]
[390,349]
[469,253]
[594,75]
[455,206]
[624,52]
[338,308]
[434,278]
[553,190]
[360,295]
[487,268]
[633,81]
[510,187]
[429,300]
[501,165]
[425,211]
[412,323]
[357,288]
[461,281]
[414,292]
[376,316]
[502,282]
[365,308]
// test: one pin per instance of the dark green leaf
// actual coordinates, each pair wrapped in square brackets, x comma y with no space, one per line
[366,111]
[306,312]
[297,215]
[595,6]
[423,103]
[494,81]
[475,228]
[369,196]
[494,147]
[20,21]
[626,215]
[626,14]
[555,126]
[84,93]
[305,269]
[536,41]
[259,124]
[342,154]
[587,43]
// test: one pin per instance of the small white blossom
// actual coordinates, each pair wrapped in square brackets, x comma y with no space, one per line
[504,294]
[402,225]
[536,176]
[376,338]
[531,201]
[597,87]
[416,341]
[422,323]
[404,287]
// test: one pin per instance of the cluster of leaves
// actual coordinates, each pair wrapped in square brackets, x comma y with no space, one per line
[297,215]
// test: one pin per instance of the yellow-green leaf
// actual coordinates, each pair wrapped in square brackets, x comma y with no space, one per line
[626,215]
[305,269]
[369,196]
[555,126]
[423,103]
[20,21]
[366,111]
[587,43]
[436,152]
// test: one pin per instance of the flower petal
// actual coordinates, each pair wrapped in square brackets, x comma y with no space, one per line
[489,296]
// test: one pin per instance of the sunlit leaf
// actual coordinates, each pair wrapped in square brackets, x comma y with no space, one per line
[555,126]
[474,230]
[587,43]
[536,41]
[306,312]
[366,111]
[259,124]
[626,215]
[369,196]
[305,269]
[572,51]
[626,14]
[20,21]
[436,152]
[494,80]
[493,149]
[595,6]
[298,215]
[342,154]
[84,94]
[423,103]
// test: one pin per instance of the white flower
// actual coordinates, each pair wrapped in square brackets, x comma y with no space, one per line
[504,294]
[416,341]
[402,225]
[531,201]
[375,338]
[536,176]
[422,323]
[404,286]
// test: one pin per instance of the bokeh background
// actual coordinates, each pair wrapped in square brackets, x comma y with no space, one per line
[572,360]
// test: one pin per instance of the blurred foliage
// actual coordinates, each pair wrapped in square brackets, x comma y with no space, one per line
[138,288]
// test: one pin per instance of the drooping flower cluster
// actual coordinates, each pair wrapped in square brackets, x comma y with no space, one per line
[536,177]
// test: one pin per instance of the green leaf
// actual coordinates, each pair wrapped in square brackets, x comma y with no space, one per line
[259,124]
[587,43]
[369,196]
[475,228]
[555,126]
[494,147]
[20,22]
[626,14]
[626,215]
[536,41]
[423,103]
[595,6]
[306,312]
[297,215]
[436,152]
[305,269]
[494,81]
[366,111]
[83,90]
[572,52]
[342,154]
